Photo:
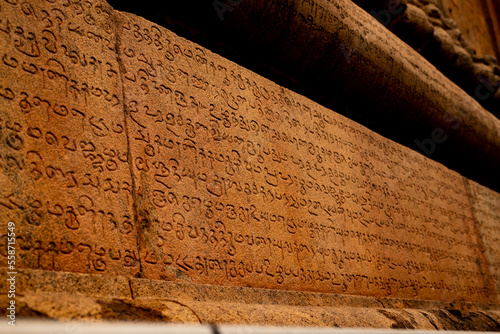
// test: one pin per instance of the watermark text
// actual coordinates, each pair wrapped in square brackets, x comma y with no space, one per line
[11,274]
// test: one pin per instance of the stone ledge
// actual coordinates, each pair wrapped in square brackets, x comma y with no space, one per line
[166,310]
[39,282]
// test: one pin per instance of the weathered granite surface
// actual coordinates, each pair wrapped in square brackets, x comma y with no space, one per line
[64,173]
[68,307]
[486,212]
[264,188]
[479,22]
[65,296]
[461,39]
[129,152]
[337,53]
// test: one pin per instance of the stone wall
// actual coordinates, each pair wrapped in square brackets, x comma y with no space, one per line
[341,56]
[479,22]
[129,154]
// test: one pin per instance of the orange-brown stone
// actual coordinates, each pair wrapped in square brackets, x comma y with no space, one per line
[479,22]
[64,177]
[126,150]
[242,182]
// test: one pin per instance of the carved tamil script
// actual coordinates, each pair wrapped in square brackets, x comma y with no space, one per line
[127,150]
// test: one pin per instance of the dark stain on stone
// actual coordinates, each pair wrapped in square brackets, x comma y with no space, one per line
[457,320]
[496,323]
[431,321]
[122,310]
[455,313]
[400,322]
[448,321]
[27,312]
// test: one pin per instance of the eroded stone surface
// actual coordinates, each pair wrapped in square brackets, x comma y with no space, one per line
[66,307]
[242,182]
[147,155]
[64,177]
[477,21]
[337,52]
[486,209]
[63,295]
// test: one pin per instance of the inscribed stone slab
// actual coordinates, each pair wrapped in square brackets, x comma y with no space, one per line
[127,150]
[486,210]
[64,177]
[242,182]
